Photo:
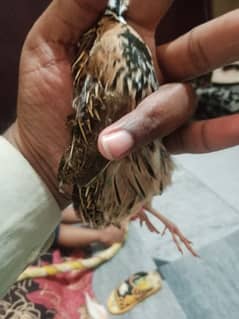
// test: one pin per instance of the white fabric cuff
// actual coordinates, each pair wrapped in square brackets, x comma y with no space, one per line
[28,214]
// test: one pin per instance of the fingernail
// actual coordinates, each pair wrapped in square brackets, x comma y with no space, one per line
[117,144]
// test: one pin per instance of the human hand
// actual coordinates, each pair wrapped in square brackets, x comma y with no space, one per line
[45,85]
[199,51]
[112,234]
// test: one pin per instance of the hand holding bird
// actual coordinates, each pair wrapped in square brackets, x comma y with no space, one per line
[45,87]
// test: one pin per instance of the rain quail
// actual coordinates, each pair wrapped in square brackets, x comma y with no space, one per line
[113,72]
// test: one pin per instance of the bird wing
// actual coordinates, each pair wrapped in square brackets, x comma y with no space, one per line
[96,106]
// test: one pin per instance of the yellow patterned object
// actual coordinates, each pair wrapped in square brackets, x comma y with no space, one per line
[70,265]
[135,289]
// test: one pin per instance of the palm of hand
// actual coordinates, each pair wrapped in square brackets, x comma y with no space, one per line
[46,91]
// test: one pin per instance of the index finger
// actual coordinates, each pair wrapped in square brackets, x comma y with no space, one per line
[201,50]
[157,116]
[205,136]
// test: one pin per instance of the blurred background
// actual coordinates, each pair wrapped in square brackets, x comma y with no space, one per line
[221,6]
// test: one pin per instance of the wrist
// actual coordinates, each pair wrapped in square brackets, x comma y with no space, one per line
[100,236]
[38,163]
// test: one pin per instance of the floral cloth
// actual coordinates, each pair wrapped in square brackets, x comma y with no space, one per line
[58,297]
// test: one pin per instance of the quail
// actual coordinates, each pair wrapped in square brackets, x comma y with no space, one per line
[113,72]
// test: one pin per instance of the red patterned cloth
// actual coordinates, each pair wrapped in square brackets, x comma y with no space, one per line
[58,297]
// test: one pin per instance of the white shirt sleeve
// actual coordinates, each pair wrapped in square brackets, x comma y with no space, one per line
[29,214]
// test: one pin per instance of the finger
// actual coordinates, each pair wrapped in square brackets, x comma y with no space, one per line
[202,49]
[157,116]
[147,14]
[65,20]
[205,136]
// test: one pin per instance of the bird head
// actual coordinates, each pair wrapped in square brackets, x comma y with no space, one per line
[119,7]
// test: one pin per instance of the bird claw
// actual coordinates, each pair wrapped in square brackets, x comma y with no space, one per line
[143,218]
[174,230]
[178,235]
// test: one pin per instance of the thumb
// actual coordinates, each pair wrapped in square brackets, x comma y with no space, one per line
[157,116]
[65,20]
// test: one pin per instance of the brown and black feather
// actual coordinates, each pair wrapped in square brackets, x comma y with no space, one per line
[113,72]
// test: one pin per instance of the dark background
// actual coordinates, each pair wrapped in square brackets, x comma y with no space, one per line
[17,17]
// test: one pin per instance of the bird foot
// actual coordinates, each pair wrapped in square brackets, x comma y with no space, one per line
[178,236]
[176,233]
[143,218]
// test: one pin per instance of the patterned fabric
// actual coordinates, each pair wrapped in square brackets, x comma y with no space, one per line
[59,297]
[217,100]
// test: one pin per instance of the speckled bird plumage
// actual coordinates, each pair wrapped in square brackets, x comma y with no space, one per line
[113,73]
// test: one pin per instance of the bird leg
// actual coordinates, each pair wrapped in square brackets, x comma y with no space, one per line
[143,218]
[174,230]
